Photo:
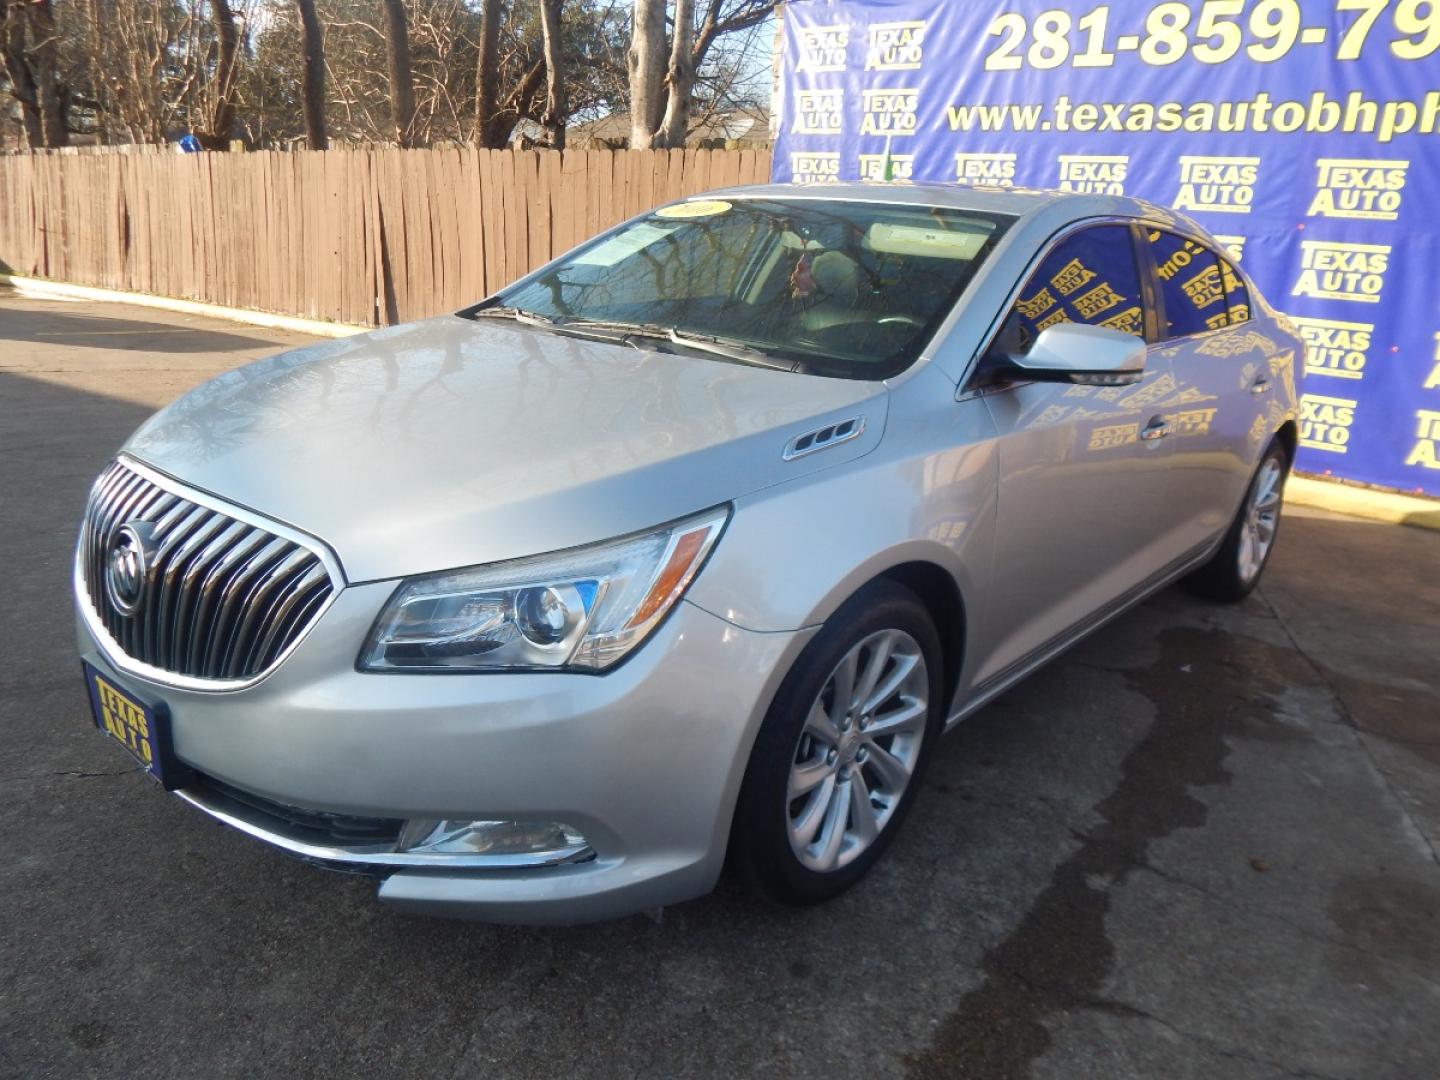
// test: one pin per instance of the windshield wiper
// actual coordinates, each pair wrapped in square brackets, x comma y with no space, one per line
[592,330]
[728,348]
[621,332]
[504,311]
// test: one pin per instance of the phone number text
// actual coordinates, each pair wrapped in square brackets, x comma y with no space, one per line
[1214,32]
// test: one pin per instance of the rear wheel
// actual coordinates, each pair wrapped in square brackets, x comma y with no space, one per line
[839,757]
[1237,566]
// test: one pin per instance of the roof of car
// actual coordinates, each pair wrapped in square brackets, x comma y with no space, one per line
[956,196]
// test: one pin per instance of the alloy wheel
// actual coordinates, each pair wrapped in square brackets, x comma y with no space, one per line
[1262,517]
[857,751]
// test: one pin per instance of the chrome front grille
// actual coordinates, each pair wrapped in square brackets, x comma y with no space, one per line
[222,599]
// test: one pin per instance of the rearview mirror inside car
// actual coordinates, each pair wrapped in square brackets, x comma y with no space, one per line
[1077,353]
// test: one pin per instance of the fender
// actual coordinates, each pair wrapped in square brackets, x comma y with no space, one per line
[793,553]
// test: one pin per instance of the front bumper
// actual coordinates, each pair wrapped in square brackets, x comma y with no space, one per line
[645,760]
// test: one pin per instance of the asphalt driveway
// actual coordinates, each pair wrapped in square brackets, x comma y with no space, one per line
[1203,844]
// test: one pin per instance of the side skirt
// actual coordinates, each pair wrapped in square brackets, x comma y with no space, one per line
[997,684]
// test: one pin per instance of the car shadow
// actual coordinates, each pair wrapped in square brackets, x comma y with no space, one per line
[54,325]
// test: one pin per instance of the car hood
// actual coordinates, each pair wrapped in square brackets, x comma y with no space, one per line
[453,442]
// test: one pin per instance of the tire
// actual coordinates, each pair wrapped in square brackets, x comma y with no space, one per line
[804,736]
[1237,566]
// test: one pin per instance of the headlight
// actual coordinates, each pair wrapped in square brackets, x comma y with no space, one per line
[582,609]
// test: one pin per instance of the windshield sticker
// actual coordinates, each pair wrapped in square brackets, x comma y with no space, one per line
[926,241]
[697,209]
[622,245]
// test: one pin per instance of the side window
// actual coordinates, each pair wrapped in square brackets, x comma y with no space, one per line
[1237,296]
[1190,285]
[1090,277]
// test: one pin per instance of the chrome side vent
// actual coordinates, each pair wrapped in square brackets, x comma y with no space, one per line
[823,438]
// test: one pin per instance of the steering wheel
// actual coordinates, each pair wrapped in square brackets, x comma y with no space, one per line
[908,320]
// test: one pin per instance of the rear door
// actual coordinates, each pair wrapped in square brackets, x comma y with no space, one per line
[1221,365]
[1083,469]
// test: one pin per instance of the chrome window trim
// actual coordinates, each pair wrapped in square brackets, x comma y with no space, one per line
[381,856]
[122,661]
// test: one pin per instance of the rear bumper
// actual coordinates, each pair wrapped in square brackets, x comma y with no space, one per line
[645,761]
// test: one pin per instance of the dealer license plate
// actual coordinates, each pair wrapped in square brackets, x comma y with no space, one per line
[138,725]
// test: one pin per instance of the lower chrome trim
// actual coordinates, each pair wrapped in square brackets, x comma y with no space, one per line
[373,856]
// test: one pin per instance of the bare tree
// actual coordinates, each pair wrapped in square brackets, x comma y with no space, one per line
[402,74]
[132,68]
[680,77]
[29,50]
[647,65]
[53,93]
[312,93]
[14,34]
[487,67]
[553,119]
[277,73]
[440,39]
[543,62]
[662,80]
[147,71]
[221,121]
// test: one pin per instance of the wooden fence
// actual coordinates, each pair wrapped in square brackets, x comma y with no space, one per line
[373,236]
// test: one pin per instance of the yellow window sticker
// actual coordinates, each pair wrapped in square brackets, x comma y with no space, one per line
[697,209]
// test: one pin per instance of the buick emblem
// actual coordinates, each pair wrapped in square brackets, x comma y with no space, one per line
[127,565]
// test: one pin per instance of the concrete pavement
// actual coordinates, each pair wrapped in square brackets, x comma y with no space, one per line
[1203,844]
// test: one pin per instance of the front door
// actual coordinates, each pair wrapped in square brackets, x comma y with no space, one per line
[1082,468]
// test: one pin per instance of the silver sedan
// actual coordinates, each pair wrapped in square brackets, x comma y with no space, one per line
[689,545]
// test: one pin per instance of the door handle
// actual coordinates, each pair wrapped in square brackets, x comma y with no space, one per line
[1156,430]
[1260,385]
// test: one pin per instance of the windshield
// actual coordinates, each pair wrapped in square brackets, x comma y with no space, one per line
[848,289]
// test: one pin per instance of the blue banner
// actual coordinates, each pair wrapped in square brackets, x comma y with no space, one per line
[1306,137]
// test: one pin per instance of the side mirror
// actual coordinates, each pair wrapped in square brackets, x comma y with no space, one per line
[1077,353]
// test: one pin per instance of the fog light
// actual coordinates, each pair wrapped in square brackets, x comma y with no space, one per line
[549,840]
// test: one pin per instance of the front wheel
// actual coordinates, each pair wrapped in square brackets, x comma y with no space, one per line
[840,755]
[1237,565]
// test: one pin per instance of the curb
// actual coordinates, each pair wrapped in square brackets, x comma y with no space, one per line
[1387,506]
[41,289]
